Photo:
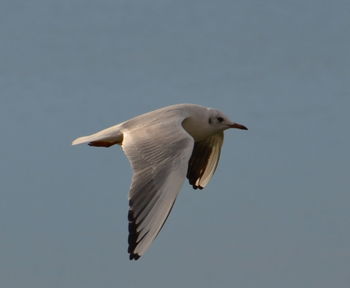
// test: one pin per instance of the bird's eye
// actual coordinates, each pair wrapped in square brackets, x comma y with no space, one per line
[220,119]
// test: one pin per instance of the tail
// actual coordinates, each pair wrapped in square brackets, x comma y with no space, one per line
[103,138]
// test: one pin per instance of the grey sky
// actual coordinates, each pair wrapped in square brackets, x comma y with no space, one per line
[276,213]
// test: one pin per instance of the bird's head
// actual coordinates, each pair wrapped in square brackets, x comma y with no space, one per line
[204,122]
[218,121]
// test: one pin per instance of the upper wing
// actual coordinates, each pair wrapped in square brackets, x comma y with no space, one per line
[204,160]
[159,155]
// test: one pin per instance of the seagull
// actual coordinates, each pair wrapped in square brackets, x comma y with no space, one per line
[164,147]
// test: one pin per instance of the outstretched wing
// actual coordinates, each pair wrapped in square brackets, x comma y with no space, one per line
[159,155]
[204,160]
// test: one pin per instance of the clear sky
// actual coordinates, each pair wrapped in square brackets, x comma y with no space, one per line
[276,214]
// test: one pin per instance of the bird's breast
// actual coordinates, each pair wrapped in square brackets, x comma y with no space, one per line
[197,129]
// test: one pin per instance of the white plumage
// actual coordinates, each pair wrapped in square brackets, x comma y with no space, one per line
[164,146]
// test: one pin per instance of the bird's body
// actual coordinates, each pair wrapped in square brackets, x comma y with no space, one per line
[164,146]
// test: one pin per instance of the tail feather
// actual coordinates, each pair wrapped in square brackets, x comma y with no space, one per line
[104,138]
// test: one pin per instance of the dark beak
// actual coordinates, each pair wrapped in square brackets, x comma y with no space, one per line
[238,126]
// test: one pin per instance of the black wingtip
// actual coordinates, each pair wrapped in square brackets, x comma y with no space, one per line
[132,236]
[133,256]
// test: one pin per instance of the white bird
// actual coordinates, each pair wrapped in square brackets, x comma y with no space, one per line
[163,147]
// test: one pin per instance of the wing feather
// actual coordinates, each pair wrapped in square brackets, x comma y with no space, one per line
[204,160]
[159,156]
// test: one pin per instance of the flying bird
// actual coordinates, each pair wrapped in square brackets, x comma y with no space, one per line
[164,147]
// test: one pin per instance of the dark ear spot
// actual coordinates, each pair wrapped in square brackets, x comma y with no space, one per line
[209,121]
